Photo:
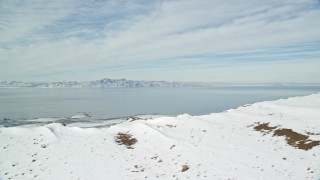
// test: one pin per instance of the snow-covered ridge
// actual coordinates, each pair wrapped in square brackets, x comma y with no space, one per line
[258,141]
[103,83]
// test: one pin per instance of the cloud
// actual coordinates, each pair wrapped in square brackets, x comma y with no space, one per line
[81,39]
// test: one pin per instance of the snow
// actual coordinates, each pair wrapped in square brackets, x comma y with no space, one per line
[215,146]
[80,115]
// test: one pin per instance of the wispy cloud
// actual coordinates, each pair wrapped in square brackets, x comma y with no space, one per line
[90,39]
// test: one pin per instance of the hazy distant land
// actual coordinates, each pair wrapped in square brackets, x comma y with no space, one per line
[124,83]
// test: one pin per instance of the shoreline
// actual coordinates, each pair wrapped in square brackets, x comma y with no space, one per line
[34,122]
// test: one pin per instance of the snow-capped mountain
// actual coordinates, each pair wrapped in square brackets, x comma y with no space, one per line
[124,83]
[103,83]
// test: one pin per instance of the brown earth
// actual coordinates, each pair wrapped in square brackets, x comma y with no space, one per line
[293,138]
[264,127]
[125,139]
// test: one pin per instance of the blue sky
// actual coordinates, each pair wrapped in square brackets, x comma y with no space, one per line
[182,40]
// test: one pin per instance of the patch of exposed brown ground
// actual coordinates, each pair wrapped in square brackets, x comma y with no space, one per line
[125,139]
[264,127]
[311,133]
[293,138]
[296,139]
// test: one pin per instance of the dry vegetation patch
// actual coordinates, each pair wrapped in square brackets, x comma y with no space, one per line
[314,134]
[295,139]
[264,127]
[292,138]
[125,139]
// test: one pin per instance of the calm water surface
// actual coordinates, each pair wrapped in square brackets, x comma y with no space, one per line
[30,103]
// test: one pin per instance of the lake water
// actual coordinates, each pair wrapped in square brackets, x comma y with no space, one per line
[19,104]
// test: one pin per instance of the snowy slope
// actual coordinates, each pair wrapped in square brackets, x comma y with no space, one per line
[267,140]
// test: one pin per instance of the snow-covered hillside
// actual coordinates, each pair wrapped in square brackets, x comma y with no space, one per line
[103,83]
[267,140]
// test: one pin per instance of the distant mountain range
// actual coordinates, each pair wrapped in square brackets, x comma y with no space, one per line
[124,83]
[103,83]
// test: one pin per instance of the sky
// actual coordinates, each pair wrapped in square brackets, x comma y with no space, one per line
[247,41]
